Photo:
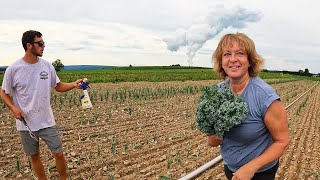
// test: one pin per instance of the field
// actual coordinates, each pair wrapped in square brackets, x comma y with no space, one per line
[146,130]
[150,74]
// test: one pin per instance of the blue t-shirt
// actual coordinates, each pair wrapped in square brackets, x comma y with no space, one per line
[251,138]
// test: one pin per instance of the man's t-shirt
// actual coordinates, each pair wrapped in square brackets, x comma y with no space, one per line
[30,86]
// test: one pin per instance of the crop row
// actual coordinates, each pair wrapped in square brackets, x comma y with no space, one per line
[148,137]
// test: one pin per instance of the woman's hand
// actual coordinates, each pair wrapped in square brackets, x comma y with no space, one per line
[246,172]
[214,140]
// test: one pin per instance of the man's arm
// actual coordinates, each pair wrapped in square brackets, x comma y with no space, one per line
[7,100]
[64,87]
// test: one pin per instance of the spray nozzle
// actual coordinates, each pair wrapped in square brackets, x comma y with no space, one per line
[85,83]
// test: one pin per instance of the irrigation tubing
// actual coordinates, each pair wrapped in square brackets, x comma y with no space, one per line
[216,160]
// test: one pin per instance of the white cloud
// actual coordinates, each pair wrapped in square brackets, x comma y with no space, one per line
[67,41]
[130,32]
[198,34]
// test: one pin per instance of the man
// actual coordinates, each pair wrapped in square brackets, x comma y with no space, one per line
[29,80]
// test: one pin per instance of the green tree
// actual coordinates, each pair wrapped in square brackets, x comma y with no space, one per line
[306,72]
[57,64]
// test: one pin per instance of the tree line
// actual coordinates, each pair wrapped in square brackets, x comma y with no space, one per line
[304,72]
[58,66]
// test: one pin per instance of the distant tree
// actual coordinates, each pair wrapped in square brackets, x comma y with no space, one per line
[57,64]
[2,69]
[306,72]
[130,66]
[300,71]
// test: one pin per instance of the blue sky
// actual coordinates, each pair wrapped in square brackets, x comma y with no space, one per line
[166,32]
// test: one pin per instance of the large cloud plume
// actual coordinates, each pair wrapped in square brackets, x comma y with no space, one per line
[197,34]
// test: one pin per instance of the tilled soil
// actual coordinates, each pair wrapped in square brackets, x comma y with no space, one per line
[153,137]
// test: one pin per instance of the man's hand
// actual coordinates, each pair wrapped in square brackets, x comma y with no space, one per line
[78,83]
[64,87]
[17,113]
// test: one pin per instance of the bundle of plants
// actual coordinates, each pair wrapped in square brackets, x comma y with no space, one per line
[219,109]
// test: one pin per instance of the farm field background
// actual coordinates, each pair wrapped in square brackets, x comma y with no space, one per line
[151,74]
[146,130]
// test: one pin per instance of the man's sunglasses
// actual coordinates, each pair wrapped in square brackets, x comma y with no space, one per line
[40,43]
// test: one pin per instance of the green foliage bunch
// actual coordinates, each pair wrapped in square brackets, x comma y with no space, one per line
[219,109]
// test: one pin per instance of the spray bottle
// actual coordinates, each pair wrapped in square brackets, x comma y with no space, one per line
[85,99]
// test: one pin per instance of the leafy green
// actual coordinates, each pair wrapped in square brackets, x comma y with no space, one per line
[219,109]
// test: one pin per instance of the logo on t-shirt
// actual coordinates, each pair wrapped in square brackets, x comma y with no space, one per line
[43,75]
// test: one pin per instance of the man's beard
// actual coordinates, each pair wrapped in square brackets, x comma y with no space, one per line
[35,53]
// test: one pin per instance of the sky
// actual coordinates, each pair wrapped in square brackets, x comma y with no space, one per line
[162,32]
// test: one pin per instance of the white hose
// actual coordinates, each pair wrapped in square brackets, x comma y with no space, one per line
[202,168]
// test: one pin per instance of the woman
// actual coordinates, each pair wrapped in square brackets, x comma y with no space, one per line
[252,149]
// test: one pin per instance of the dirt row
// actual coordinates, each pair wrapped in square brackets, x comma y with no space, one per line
[148,139]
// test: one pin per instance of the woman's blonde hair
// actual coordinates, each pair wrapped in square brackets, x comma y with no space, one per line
[246,44]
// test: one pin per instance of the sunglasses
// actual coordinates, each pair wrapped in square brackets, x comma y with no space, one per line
[40,43]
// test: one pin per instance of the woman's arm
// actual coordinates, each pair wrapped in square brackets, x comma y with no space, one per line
[277,123]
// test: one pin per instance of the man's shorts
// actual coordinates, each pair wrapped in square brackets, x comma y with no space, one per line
[50,136]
